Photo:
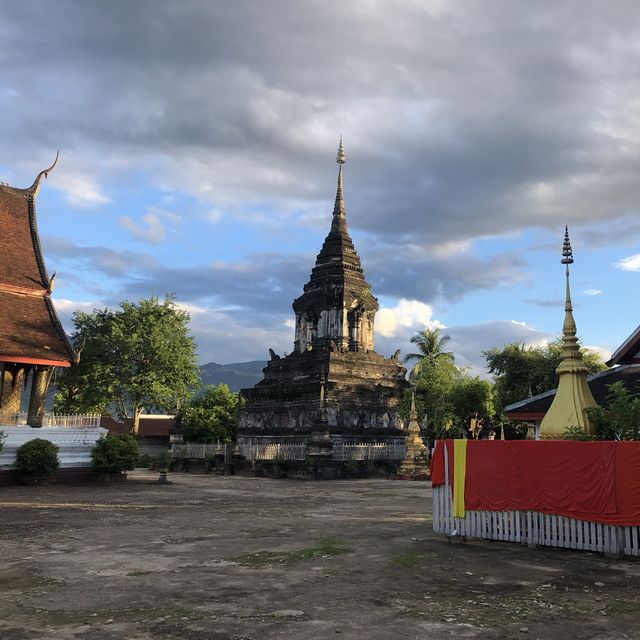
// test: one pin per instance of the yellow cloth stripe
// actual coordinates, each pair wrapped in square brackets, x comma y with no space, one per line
[459,476]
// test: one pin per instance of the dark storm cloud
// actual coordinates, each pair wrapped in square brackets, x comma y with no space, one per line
[267,283]
[461,119]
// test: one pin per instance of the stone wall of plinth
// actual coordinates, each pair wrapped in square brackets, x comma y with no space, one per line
[361,393]
[75,444]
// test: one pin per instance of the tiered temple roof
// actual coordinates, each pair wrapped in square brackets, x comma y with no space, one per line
[30,331]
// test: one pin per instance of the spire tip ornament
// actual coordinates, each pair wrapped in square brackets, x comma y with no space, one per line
[341,158]
[567,252]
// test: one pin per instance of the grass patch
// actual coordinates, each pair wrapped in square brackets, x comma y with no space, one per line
[139,572]
[326,548]
[623,608]
[407,558]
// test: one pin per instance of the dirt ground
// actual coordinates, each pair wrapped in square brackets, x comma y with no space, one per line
[219,558]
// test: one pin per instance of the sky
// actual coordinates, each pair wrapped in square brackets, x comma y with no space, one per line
[197,157]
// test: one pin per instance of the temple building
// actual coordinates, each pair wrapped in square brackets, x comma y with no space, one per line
[32,340]
[333,381]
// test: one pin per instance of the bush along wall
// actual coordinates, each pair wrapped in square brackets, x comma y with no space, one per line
[36,459]
[115,453]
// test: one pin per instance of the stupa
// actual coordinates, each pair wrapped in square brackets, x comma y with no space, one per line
[573,395]
[333,381]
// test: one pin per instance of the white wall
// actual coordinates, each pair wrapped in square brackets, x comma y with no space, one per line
[74,443]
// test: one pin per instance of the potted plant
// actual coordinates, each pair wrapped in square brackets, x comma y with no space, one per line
[115,454]
[163,461]
[36,460]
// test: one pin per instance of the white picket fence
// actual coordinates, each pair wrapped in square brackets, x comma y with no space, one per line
[87,421]
[191,450]
[275,451]
[368,451]
[341,451]
[531,527]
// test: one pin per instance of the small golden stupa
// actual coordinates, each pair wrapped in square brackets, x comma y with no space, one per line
[573,395]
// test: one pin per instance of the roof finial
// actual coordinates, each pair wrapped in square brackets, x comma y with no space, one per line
[339,212]
[567,253]
[567,259]
[341,158]
[36,184]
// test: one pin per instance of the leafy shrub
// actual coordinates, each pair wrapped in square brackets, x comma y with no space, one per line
[619,419]
[115,453]
[147,461]
[575,432]
[37,457]
[163,459]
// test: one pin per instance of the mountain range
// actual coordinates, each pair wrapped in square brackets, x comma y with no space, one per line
[237,375]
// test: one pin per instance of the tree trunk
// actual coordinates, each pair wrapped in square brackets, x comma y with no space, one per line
[136,420]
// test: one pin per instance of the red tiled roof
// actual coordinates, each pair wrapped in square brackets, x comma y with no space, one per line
[19,264]
[31,332]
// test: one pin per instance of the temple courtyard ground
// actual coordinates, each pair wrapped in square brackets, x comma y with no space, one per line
[219,558]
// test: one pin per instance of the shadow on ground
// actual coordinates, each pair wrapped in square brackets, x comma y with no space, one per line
[219,558]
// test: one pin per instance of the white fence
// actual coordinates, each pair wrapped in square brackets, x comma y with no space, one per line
[341,451]
[531,527]
[368,451]
[192,450]
[88,421]
[276,451]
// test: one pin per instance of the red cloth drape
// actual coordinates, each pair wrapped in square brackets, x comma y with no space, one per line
[595,481]
[437,463]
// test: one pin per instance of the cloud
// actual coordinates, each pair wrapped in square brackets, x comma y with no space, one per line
[431,103]
[407,314]
[80,191]
[630,263]
[603,352]
[592,292]
[152,230]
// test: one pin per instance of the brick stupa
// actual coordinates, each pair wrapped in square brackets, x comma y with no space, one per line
[333,370]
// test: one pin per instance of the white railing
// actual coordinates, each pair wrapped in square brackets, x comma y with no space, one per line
[193,450]
[274,451]
[531,527]
[341,451]
[368,451]
[88,421]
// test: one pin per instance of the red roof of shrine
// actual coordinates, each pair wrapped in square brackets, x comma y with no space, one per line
[30,332]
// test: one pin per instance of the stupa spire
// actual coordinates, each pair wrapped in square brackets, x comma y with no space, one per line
[339,211]
[573,395]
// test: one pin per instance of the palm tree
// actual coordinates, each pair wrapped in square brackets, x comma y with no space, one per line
[431,348]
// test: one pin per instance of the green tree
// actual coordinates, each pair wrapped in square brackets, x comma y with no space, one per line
[520,372]
[136,358]
[433,381]
[210,416]
[471,399]
[430,345]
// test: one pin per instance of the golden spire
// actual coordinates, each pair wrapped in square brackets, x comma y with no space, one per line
[339,211]
[573,394]
[413,414]
[570,347]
